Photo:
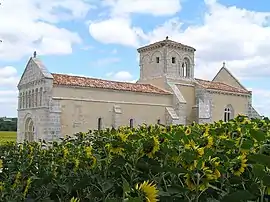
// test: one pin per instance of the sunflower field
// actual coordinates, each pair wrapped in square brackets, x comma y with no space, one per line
[201,162]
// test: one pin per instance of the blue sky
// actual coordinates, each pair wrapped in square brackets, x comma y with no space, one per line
[99,38]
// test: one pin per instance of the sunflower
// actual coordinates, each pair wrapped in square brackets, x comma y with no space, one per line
[200,151]
[117,150]
[190,182]
[94,162]
[211,168]
[188,131]
[123,137]
[208,141]
[191,145]
[151,147]
[149,191]
[88,151]
[239,166]
[65,153]
[189,166]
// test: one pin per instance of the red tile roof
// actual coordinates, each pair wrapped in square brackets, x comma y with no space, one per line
[220,86]
[68,80]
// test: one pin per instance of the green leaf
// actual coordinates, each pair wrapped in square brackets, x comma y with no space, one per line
[258,135]
[258,171]
[261,159]
[247,144]
[176,189]
[266,180]
[242,195]
[135,199]
[126,187]
[228,143]
[175,170]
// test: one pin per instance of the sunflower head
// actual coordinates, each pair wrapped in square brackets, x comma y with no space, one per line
[149,191]
[208,141]
[151,146]
[122,137]
[239,165]
[192,185]
[187,131]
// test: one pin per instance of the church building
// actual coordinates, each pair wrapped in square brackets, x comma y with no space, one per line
[52,105]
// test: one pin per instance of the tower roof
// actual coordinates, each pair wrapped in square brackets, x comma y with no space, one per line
[166,42]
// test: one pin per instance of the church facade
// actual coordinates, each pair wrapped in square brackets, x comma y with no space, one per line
[51,105]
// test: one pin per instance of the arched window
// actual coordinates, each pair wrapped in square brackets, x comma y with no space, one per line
[29,130]
[131,123]
[186,68]
[99,123]
[228,113]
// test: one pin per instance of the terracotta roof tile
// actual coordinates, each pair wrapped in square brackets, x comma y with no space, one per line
[69,80]
[220,86]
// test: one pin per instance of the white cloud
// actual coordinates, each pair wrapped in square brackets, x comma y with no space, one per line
[36,29]
[8,77]
[121,76]
[227,34]
[153,7]
[237,36]
[8,92]
[118,29]
[115,31]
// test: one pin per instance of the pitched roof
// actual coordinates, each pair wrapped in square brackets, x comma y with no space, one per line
[165,42]
[69,80]
[214,85]
[227,70]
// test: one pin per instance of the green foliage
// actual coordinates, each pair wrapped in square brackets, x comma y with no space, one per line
[211,162]
[8,124]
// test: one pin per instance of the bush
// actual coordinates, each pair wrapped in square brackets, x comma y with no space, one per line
[212,162]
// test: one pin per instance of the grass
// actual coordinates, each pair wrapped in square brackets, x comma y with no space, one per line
[7,136]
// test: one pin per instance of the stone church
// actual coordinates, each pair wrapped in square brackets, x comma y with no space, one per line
[51,105]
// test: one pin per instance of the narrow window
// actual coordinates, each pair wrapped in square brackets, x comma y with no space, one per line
[227,114]
[36,97]
[29,99]
[40,97]
[23,100]
[20,101]
[157,59]
[26,99]
[99,123]
[173,60]
[158,121]
[33,98]
[131,123]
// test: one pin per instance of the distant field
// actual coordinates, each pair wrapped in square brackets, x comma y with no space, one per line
[6,136]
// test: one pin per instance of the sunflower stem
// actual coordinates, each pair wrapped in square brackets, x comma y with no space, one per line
[197,188]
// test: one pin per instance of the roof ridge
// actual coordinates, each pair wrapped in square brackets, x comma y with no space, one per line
[222,83]
[73,80]
[88,77]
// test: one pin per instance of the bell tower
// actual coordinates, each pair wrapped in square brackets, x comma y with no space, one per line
[166,58]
